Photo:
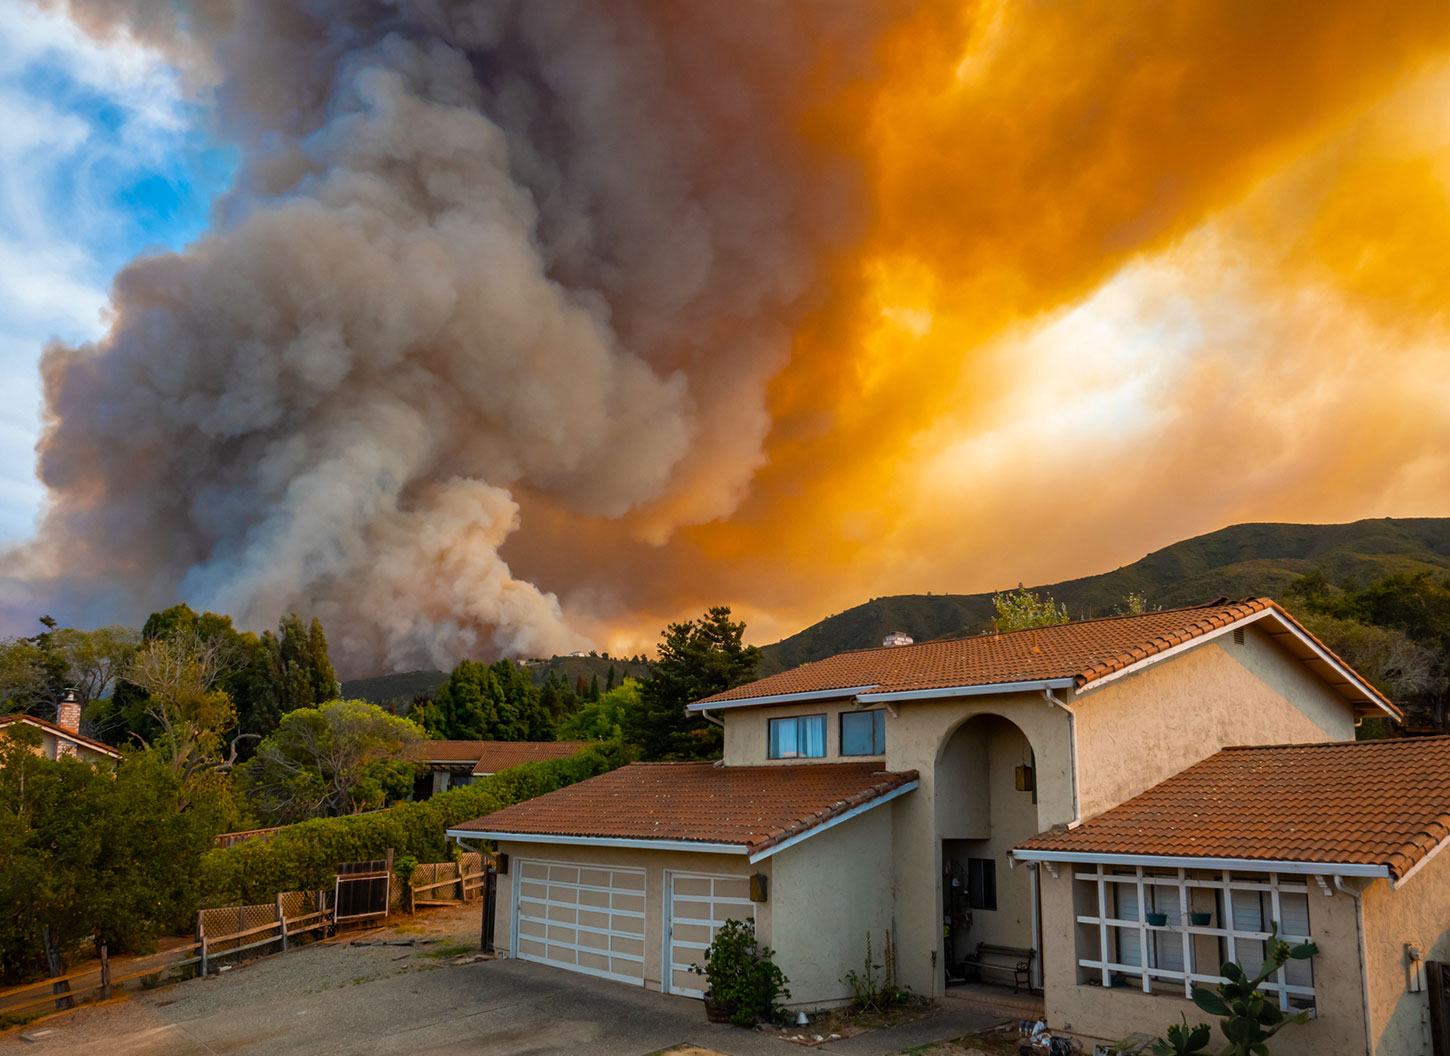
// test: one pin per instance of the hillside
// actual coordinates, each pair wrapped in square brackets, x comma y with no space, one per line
[1236,561]
[406,685]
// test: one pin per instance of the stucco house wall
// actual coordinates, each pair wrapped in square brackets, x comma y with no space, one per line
[1417,914]
[915,741]
[747,732]
[655,864]
[827,893]
[1096,1014]
[1138,730]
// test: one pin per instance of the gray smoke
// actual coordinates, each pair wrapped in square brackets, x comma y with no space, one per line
[474,250]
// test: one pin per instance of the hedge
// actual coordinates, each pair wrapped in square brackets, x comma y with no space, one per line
[304,857]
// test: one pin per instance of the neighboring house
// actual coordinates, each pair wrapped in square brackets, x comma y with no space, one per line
[886,789]
[898,638]
[452,764]
[63,737]
[1338,843]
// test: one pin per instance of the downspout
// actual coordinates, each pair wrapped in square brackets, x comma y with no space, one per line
[1053,701]
[1363,966]
[705,713]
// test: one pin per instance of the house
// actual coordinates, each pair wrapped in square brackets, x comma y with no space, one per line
[898,638]
[452,764]
[1337,842]
[62,737]
[887,789]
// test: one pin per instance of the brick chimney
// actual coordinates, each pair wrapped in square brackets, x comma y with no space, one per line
[68,716]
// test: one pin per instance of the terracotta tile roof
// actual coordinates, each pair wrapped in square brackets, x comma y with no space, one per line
[1083,650]
[1363,802]
[490,757]
[755,806]
[62,732]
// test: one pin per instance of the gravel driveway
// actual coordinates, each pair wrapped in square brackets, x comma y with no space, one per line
[339,998]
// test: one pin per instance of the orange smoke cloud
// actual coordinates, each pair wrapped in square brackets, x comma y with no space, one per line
[1236,213]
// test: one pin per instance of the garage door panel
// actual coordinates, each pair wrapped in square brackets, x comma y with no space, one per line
[591,919]
[699,905]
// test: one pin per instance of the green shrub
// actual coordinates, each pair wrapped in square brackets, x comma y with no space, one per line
[741,977]
[303,857]
[1250,1017]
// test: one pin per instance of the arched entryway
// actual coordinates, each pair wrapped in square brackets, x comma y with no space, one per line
[986,803]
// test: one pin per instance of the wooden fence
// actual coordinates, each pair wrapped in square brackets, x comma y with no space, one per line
[95,982]
[231,839]
[447,883]
[223,933]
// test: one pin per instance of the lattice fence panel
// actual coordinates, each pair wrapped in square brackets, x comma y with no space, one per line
[229,920]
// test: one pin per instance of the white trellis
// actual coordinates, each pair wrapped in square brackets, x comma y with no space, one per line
[1156,944]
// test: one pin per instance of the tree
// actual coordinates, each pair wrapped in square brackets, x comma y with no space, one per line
[179,675]
[1021,608]
[697,658]
[340,758]
[22,674]
[1133,604]
[1396,631]
[266,675]
[91,850]
[488,702]
[604,719]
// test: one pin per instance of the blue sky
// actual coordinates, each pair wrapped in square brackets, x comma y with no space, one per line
[101,158]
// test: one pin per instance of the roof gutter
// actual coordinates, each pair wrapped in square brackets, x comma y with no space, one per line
[600,841]
[1246,865]
[779,698]
[982,690]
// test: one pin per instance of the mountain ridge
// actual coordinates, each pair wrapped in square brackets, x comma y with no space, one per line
[1240,560]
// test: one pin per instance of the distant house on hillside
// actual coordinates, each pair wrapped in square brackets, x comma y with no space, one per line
[897,638]
[452,764]
[63,737]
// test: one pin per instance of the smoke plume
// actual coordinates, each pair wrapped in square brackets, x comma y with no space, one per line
[474,249]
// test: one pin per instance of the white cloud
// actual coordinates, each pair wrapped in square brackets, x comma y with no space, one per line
[80,122]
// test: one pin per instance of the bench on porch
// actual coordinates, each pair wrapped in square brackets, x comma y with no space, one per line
[1007,960]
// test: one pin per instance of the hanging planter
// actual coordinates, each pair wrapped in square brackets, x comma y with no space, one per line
[1200,920]
[1158,920]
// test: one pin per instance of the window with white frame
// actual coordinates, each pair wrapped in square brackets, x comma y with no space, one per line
[1165,932]
[798,737]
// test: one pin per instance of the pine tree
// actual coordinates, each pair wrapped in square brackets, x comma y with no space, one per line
[696,659]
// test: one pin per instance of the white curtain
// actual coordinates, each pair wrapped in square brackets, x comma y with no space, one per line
[783,743]
[813,736]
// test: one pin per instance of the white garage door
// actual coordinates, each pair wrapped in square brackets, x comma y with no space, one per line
[698,904]
[581,917]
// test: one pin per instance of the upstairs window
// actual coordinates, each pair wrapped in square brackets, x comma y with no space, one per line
[863,732]
[798,737]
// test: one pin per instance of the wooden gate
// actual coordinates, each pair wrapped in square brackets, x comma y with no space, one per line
[1437,978]
[362,889]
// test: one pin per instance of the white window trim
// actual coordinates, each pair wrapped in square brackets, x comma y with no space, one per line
[1182,882]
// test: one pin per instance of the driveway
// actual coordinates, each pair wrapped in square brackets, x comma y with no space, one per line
[333,998]
[345,999]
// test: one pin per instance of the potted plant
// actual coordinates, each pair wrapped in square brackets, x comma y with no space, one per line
[743,986]
[1157,920]
[1200,920]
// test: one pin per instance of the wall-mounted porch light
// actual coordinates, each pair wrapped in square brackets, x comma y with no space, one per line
[758,887]
[1026,778]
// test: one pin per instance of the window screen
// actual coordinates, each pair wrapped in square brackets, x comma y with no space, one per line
[798,737]
[863,732]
